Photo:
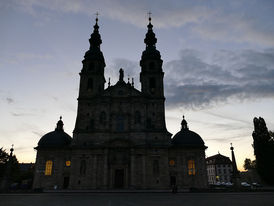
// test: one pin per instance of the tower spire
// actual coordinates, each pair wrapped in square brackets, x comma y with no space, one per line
[150,39]
[95,38]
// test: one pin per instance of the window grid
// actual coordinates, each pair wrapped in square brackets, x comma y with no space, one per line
[48,169]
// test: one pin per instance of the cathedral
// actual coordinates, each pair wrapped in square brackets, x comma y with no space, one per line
[120,139]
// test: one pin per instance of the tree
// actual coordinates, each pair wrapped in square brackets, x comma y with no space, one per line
[4,161]
[248,164]
[264,150]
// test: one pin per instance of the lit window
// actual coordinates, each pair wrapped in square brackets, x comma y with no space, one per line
[68,163]
[171,162]
[48,169]
[191,167]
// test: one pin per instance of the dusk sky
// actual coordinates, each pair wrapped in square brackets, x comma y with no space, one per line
[218,63]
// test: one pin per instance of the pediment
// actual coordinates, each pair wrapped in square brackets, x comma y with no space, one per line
[122,89]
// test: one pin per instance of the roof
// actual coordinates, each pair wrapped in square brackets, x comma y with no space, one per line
[187,138]
[218,159]
[56,138]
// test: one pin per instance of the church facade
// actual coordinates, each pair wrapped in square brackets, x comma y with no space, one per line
[120,138]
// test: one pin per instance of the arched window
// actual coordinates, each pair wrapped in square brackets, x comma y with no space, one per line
[91,124]
[90,84]
[48,169]
[191,167]
[83,167]
[120,123]
[103,118]
[149,123]
[155,167]
[137,117]
[152,84]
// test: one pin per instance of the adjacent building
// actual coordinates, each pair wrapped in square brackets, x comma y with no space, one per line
[219,169]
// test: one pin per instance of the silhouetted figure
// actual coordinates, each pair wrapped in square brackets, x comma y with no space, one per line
[121,75]
[174,189]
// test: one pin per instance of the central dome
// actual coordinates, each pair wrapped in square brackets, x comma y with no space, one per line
[187,138]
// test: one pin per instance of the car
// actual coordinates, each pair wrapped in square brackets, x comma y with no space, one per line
[255,184]
[245,184]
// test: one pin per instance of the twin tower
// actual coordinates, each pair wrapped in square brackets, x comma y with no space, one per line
[92,89]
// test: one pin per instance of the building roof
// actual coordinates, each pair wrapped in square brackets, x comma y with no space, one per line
[218,159]
[56,138]
[187,138]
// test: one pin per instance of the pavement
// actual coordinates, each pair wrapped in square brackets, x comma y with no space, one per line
[134,199]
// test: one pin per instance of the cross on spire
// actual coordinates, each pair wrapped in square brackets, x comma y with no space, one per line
[97,14]
[149,16]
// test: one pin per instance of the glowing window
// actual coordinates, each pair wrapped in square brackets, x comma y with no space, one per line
[68,163]
[191,167]
[171,162]
[48,169]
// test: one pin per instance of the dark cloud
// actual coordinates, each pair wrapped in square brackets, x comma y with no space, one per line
[16,114]
[197,80]
[9,100]
[38,133]
[131,70]
[227,139]
[211,20]
[194,81]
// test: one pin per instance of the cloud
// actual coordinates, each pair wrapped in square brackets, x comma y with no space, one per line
[229,21]
[197,80]
[193,82]
[15,114]
[131,70]
[9,100]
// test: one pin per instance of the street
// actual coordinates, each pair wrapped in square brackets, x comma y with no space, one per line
[134,199]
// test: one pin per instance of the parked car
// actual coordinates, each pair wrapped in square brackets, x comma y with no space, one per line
[245,184]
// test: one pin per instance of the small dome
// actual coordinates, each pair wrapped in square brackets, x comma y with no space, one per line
[187,137]
[56,138]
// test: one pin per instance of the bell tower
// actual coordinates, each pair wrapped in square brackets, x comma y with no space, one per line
[92,78]
[151,76]
[92,82]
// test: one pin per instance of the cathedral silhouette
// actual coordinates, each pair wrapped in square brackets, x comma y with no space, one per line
[120,140]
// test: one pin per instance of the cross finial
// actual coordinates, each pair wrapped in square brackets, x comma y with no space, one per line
[149,16]
[231,148]
[97,14]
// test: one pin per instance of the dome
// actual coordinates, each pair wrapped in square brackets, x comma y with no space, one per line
[56,138]
[187,138]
